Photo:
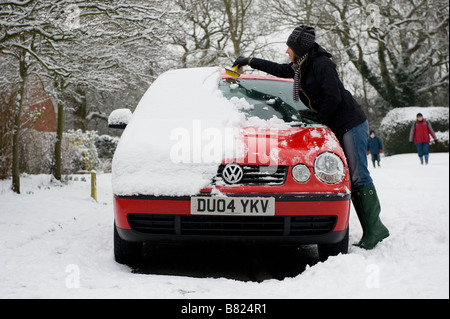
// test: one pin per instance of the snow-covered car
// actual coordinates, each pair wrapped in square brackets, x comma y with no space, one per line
[209,158]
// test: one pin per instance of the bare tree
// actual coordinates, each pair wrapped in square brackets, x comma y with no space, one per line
[112,48]
[21,35]
[216,32]
[62,41]
[237,12]
[399,47]
[200,31]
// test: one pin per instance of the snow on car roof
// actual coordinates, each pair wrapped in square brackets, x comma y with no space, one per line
[175,109]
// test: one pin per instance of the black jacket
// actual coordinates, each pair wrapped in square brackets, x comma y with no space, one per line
[321,90]
[374,145]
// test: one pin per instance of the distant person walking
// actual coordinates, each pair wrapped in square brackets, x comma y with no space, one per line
[375,148]
[420,135]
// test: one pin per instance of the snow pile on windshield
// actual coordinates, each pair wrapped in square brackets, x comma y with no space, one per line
[179,134]
[241,103]
[273,122]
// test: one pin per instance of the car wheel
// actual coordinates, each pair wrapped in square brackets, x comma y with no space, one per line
[327,250]
[126,252]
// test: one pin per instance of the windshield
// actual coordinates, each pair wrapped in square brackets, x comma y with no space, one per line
[266,98]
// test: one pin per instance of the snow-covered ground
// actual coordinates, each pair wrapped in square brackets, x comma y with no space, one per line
[56,242]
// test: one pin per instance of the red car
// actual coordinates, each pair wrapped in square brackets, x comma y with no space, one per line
[301,197]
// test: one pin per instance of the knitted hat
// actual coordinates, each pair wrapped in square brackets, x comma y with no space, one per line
[301,40]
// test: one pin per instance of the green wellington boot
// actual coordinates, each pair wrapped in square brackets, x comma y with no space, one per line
[368,209]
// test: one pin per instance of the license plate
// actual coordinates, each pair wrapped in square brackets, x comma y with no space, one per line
[233,206]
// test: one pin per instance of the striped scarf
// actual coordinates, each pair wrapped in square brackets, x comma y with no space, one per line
[297,77]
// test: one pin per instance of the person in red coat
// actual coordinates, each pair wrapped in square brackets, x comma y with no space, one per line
[420,135]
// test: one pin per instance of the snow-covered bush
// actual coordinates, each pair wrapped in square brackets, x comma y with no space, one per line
[106,146]
[79,151]
[396,125]
[36,151]
[86,153]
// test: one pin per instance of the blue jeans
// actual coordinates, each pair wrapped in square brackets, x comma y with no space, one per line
[423,150]
[354,144]
[376,158]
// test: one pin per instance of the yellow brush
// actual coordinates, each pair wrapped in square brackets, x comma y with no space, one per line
[234,72]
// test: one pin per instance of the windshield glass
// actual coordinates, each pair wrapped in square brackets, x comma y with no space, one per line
[266,98]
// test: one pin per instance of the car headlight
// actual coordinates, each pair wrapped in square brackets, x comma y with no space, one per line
[301,173]
[329,168]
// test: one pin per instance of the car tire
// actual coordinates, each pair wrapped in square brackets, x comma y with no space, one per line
[126,252]
[327,250]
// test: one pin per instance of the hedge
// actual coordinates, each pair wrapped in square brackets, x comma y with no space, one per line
[396,125]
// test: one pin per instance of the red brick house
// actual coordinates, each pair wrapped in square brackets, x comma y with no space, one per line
[38,102]
[38,114]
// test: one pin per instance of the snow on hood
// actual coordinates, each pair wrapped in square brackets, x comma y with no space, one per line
[286,147]
[170,144]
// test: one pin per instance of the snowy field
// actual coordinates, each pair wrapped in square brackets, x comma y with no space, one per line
[56,242]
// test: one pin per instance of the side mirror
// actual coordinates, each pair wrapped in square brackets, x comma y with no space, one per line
[119,118]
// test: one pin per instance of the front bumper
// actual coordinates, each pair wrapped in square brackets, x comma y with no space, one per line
[300,218]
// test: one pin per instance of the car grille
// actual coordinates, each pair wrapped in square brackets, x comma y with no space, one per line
[257,175]
[232,225]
